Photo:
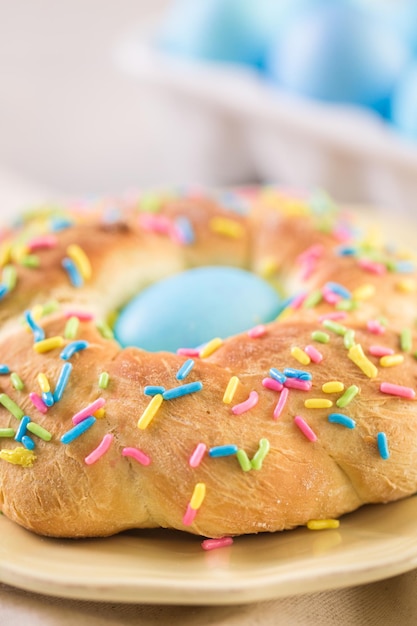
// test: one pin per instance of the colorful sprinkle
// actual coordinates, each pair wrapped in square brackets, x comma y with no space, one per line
[62,381]
[372,266]
[333,386]
[71,328]
[320,336]
[322,524]
[81,261]
[150,411]
[244,460]
[21,431]
[18,456]
[334,327]
[182,390]
[199,493]
[39,431]
[48,398]
[104,330]
[227,227]
[72,348]
[197,455]
[83,316]
[185,369]
[305,428]
[11,406]
[189,516]
[364,292]
[74,275]
[103,381]
[391,360]
[296,383]
[273,385]
[347,397]
[279,407]
[7,432]
[38,402]
[318,403]
[230,390]
[16,381]
[380,351]
[343,420]
[406,340]
[88,410]
[314,354]
[259,456]
[301,356]
[46,345]
[357,356]
[375,327]
[78,430]
[137,454]
[101,449]
[290,372]
[42,242]
[394,390]
[349,339]
[277,375]
[257,332]
[38,332]
[9,277]
[210,347]
[214,544]
[153,390]
[248,404]
[382,443]
[4,369]
[221,451]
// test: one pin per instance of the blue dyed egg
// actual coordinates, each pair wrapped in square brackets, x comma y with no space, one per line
[404,103]
[191,308]
[335,52]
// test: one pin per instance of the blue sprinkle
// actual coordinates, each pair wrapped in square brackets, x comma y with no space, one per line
[340,418]
[78,430]
[3,291]
[4,369]
[405,267]
[338,289]
[28,442]
[21,431]
[219,451]
[185,229]
[62,381]
[347,251]
[48,398]
[185,369]
[74,275]
[277,375]
[72,348]
[182,390]
[290,372]
[153,390]
[60,223]
[38,332]
[382,442]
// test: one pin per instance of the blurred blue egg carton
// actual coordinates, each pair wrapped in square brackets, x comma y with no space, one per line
[305,93]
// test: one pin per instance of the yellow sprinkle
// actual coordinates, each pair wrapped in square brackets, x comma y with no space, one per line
[18,252]
[300,355]
[5,249]
[81,260]
[356,355]
[48,344]
[321,524]
[318,403]
[37,312]
[391,359]
[407,285]
[43,383]
[100,413]
[198,496]
[210,347]
[268,268]
[150,411]
[285,313]
[333,386]
[230,389]
[18,456]
[226,226]
[364,292]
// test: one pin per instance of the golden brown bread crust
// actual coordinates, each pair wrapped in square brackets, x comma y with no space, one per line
[303,476]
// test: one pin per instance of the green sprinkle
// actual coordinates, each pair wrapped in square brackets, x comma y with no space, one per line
[71,328]
[7,432]
[39,431]
[16,381]
[347,305]
[349,339]
[103,381]
[150,203]
[347,397]
[260,455]
[320,336]
[105,330]
[313,299]
[244,461]
[9,277]
[336,328]
[11,406]
[30,260]
[50,307]
[406,340]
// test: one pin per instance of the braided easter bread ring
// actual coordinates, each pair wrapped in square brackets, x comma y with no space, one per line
[305,418]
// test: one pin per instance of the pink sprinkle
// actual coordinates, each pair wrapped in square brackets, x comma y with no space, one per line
[188,351]
[197,455]
[89,410]
[380,351]
[189,516]
[398,390]
[248,404]
[330,296]
[160,224]
[257,331]
[372,266]
[305,428]
[101,449]
[271,383]
[137,454]
[308,270]
[297,302]
[38,402]
[281,403]
[312,253]
[334,316]
[44,242]
[296,383]
[314,354]
[375,327]
[83,316]
[213,544]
